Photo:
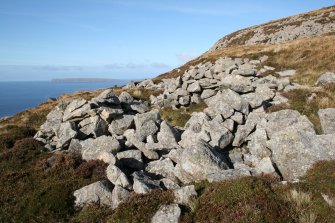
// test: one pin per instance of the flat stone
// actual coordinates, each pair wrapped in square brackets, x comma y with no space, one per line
[91,148]
[120,124]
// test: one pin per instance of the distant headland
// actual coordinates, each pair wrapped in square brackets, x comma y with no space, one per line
[82,80]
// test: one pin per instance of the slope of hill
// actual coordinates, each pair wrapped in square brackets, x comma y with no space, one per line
[153,151]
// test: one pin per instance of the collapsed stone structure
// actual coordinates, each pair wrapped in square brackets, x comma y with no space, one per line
[233,137]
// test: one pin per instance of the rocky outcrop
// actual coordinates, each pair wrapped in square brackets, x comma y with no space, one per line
[233,137]
[311,24]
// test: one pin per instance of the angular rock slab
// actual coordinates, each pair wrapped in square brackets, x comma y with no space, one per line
[92,148]
[97,193]
[294,151]
[167,214]
[327,119]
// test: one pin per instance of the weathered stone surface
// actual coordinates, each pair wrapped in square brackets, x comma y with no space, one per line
[245,70]
[97,193]
[107,96]
[265,166]
[143,183]
[139,107]
[237,83]
[168,136]
[185,100]
[295,150]
[131,159]
[66,132]
[327,119]
[93,126]
[75,147]
[125,97]
[117,177]
[229,174]
[207,93]
[238,118]
[78,113]
[167,214]
[286,118]
[257,143]
[287,73]
[119,195]
[184,195]
[194,87]
[326,78]
[163,167]
[107,157]
[201,160]
[91,148]
[121,124]
[146,124]
[111,112]
[262,94]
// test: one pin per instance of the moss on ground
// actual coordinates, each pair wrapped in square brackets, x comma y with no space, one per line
[179,117]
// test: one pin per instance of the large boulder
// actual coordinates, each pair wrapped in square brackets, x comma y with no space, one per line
[117,177]
[93,126]
[120,124]
[119,195]
[184,194]
[327,119]
[295,150]
[98,193]
[131,159]
[162,167]
[200,160]
[143,183]
[146,124]
[66,132]
[326,78]
[167,214]
[92,148]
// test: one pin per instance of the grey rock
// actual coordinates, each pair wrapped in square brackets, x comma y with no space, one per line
[245,70]
[93,126]
[117,177]
[163,167]
[195,99]
[326,78]
[194,87]
[207,93]
[185,100]
[111,112]
[181,92]
[201,160]
[120,124]
[295,150]
[167,214]
[146,124]
[75,147]
[168,184]
[143,183]
[237,83]
[185,194]
[97,193]
[139,107]
[327,119]
[230,174]
[66,132]
[168,136]
[131,159]
[257,143]
[125,97]
[238,118]
[287,73]
[263,93]
[119,195]
[91,148]
[287,118]
[78,113]
[265,166]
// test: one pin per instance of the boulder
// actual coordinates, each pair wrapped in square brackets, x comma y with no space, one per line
[287,73]
[146,124]
[98,193]
[262,94]
[139,107]
[230,174]
[287,118]
[117,177]
[245,70]
[194,87]
[131,159]
[295,150]
[327,119]
[119,195]
[110,113]
[91,148]
[143,183]
[162,167]
[125,97]
[237,83]
[207,93]
[200,160]
[120,124]
[107,96]
[93,126]
[184,100]
[184,195]
[265,166]
[168,136]
[66,132]
[167,214]
[326,78]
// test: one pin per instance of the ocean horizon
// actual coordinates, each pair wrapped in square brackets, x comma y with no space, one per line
[18,96]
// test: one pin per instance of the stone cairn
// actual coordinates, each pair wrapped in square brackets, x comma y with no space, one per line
[233,137]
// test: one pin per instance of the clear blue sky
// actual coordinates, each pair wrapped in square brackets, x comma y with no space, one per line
[125,39]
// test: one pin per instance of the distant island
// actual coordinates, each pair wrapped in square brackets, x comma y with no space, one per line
[83,80]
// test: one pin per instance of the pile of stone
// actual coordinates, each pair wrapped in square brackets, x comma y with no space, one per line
[244,77]
[233,137]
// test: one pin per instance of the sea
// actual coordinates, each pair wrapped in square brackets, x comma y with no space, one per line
[19,96]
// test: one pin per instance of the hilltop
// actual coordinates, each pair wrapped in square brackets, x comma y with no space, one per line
[244,133]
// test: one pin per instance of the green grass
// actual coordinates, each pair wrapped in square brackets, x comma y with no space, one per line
[179,117]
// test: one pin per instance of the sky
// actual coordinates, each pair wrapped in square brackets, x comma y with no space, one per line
[121,39]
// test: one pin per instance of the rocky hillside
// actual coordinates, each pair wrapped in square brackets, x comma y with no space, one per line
[240,134]
[311,24]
